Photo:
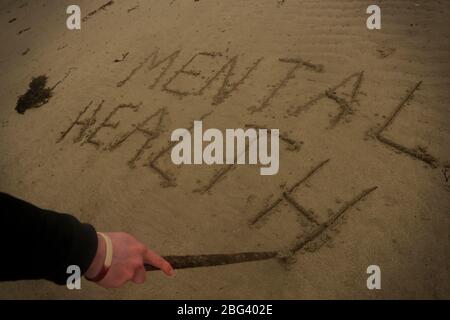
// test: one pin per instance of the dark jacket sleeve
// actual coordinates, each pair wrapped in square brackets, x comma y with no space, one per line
[40,244]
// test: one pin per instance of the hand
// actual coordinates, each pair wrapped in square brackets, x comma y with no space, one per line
[129,257]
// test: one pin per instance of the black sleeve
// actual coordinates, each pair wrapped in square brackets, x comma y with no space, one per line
[41,244]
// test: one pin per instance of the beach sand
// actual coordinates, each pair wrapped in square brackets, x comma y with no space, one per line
[374,103]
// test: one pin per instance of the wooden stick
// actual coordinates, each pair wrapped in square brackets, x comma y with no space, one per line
[210,260]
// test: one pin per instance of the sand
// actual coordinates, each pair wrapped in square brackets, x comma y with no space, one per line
[363,116]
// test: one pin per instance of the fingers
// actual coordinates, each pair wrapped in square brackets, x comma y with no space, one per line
[139,275]
[157,261]
[115,279]
[129,259]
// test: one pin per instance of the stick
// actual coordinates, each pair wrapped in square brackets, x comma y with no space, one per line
[210,260]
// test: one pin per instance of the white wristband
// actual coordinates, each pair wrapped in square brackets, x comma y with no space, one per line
[109,250]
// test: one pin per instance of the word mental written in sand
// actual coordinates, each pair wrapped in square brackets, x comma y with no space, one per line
[189,150]
[229,76]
